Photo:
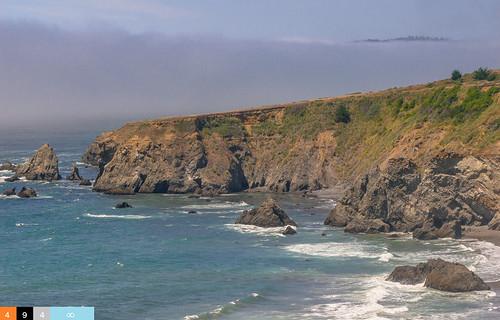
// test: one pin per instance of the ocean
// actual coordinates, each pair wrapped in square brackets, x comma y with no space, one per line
[70,247]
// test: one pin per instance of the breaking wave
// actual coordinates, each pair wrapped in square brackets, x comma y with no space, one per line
[225,309]
[112,216]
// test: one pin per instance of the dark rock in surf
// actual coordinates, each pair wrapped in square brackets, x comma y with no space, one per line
[440,275]
[8,166]
[409,274]
[289,230]
[12,179]
[26,193]
[269,214]
[123,205]
[9,192]
[85,182]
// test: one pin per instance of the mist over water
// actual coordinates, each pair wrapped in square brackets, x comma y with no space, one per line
[65,80]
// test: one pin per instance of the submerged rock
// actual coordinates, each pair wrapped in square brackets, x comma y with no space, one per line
[9,192]
[85,182]
[26,193]
[289,230]
[269,214]
[441,275]
[432,200]
[8,166]
[12,179]
[123,205]
[75,174]
[42,166]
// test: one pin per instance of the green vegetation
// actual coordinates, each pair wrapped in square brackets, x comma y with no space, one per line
[342,114]
[386,116]
[483,74]
[184,125]
[224,126]
[304,120]
[401,104]
[474,103]
[456,75]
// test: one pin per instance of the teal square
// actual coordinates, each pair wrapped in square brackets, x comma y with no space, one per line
[72,313]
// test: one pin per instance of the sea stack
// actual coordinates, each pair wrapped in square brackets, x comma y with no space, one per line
[268,215]
[75,174]
[44,165]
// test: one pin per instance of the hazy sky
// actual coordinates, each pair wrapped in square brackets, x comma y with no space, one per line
[71,63]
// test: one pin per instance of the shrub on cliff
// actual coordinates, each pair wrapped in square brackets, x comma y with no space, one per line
[225,127]
[483,74]
[456,75]
[342,114]
[475,102]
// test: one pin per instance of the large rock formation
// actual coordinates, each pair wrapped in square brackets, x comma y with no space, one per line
[299,146]
[42,166]
[431,201]
[441,275]
[269,214]
[208,154]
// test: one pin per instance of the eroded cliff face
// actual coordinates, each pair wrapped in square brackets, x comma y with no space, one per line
[300,146]
[432,200]
[215,153]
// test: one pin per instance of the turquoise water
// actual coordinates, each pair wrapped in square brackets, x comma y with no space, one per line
[70,247]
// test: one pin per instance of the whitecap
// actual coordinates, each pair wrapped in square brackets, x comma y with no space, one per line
[486,260]
[224,309]
[326,204]
[371,302]
[4,197]
[385,257]
[246,228]
[20,224]
[111,216]
[223,205]
[342,250]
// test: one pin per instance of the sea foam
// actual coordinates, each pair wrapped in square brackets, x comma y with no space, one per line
[112,216]
[246,228]
[342,250]
[224,205]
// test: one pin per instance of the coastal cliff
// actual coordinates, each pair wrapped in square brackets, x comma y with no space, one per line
[306,145]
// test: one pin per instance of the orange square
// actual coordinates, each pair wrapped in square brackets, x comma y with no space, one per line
[7,313]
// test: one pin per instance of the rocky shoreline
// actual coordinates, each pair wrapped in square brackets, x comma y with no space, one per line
[431,202]
[424,180]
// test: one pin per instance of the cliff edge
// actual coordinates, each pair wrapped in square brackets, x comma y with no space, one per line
[305,145]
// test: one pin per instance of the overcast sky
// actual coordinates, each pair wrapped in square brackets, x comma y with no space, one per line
[97,63]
